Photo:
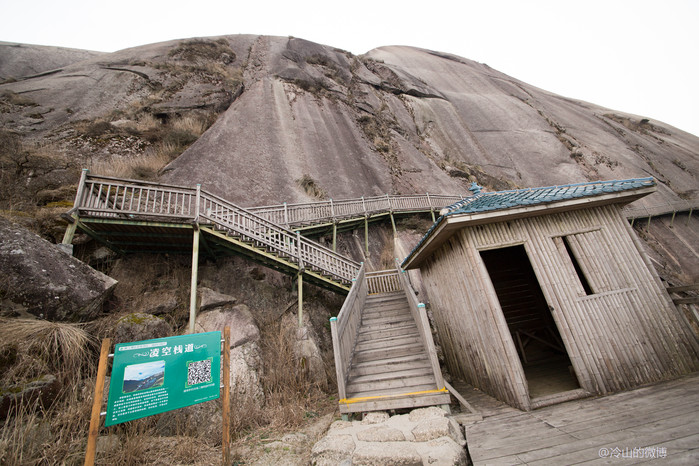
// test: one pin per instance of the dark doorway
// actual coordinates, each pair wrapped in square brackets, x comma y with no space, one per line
[544,359]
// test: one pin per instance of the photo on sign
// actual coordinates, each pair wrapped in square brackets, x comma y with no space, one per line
[198,372]
[143,376]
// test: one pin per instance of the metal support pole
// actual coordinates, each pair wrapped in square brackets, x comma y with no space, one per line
[393,223]
[366,233]
[70,231]
[689,217]
[300,290]
[193,286]
[334,236]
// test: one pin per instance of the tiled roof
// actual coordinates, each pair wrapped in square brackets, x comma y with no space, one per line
[483,202]
[501,200]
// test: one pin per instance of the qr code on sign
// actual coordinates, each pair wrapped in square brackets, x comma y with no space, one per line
[198,372]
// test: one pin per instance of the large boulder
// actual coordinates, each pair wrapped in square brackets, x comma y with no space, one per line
[139,326]
[45,281]
[45,389]
[246,359]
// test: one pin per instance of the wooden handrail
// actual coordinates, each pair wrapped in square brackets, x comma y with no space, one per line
[383,281]
[116,198]
[345,327]
[326,211]
[423,324]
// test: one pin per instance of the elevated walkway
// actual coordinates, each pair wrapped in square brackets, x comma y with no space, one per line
[384,352]
[131,216]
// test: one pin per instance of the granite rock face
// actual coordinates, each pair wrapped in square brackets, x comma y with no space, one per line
[40,278]
[395,120]
[423,436]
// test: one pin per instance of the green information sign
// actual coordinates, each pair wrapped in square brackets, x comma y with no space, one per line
[154,376]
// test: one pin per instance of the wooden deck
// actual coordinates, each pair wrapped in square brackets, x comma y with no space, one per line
[660,420]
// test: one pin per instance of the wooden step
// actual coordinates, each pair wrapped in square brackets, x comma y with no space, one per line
[398,384]
[373,319]
[386,302]
[391,391]
[377,311]
[386,320]
[386,298]
[369,330]
[390,360]
[387,343]
[395,374]
[382,334]
[406,363]
[387,353]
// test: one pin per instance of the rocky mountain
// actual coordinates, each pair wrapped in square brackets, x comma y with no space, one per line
[265,120]
[396,120]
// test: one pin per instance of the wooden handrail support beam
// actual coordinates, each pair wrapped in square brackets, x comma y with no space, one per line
[684,289]
[423,325]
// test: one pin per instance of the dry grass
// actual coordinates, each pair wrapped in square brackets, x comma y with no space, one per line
[57,435]
[145,167]
[47,347]
[190,124]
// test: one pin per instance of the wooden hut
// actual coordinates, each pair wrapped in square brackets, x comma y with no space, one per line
[545,294]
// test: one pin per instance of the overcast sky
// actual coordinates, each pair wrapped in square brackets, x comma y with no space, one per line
[635,56]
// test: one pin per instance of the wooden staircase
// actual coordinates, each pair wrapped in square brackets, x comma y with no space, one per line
[384,353]
[389,354]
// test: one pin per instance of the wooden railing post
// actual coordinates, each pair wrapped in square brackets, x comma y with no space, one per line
[197,203]
[429,203]
[70,231]
[286,215]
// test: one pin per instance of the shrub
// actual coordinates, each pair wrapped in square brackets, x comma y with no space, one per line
[311,187]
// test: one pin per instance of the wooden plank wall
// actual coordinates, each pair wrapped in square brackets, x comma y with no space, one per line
[626,334]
